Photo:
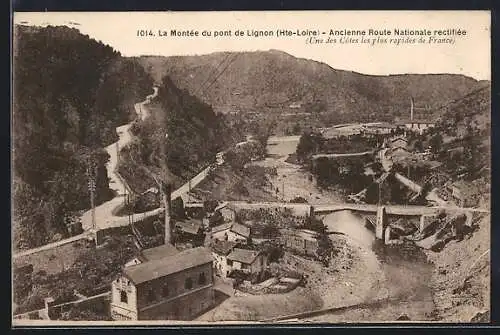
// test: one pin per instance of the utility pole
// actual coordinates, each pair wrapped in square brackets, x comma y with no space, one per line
[166,189]
[380,192]
[91,174]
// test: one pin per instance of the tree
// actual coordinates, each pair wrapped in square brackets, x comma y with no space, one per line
[315,224]
[296,129]
[325,248]
[436,142]
[71,92]
[84,314]
[178,211]
[418,145]
[326,171]
[236,160]
[210,205]
[299,200]
[216,219]
[270,231]
[309,143]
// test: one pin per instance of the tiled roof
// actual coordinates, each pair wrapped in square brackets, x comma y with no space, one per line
[221,206]
[223,247]
[243,255]
[222,227]
[190,226]
[158,268]
[402,138]
[240,229]
[165,250]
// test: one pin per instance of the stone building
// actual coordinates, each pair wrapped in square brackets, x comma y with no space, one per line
[247,261]
[163,284]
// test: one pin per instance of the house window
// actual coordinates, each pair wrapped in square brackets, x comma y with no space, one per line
[151,295]
[201,279]
[123,297]
[244,266]
[229,262]
[188,284]
[165,290]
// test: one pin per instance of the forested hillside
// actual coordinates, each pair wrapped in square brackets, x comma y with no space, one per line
[464,131]
[195,135]
[272,81]
[70,93]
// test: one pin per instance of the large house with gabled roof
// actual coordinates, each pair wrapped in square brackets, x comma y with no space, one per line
[164,284]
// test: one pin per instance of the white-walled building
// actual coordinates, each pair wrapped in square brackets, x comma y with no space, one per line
[234,232]
[220,251]
[247,261]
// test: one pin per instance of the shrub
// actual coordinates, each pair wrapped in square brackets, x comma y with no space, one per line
[299,200]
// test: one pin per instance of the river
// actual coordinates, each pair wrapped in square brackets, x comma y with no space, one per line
[399,274]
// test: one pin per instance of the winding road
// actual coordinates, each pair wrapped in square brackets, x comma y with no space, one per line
[104,213]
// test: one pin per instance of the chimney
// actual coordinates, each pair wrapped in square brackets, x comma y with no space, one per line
[411,108]
[167,203]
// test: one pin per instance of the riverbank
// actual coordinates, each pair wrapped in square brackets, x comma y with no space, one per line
[461,277]
[291,180]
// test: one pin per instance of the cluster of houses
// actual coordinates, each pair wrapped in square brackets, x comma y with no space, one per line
[167,283]
[461,193]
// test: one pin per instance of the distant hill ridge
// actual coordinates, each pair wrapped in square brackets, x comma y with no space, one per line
[261,80]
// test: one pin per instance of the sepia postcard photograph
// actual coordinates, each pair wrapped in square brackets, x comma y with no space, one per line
[273,167]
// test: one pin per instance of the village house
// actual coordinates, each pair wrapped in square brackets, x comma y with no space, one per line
[227,212]
[194,209]
[398,154]
[220,251]
[246,261]
[418,126]
[220,232]
[398,142]
[163,285]
[303,241]
[189,230]
[231,231]
[463,193]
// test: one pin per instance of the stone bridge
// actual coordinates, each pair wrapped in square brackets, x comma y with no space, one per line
[382,229]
